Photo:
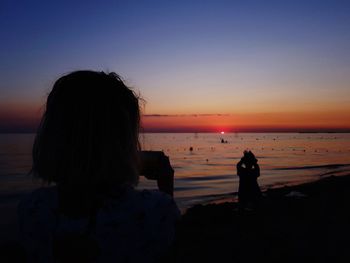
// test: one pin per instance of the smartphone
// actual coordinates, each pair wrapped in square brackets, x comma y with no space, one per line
[150,163]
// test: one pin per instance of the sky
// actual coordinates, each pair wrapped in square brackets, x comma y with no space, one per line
[199,65]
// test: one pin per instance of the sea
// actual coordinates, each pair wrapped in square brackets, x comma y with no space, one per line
[205,163]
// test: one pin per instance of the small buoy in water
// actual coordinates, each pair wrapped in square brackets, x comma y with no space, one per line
[207,160]
[191,149]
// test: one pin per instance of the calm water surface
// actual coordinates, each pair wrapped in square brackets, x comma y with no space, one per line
[208,172]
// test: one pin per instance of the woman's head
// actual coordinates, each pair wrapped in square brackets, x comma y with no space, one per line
[249,158]
[88,136]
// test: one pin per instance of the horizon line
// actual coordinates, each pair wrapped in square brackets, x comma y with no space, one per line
[207,131]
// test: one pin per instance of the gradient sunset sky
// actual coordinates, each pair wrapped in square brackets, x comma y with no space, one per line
[199,65]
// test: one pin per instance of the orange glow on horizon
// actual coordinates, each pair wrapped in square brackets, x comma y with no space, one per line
[287,121]
[25,117]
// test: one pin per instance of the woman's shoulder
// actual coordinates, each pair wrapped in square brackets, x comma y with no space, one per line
[39,198]
[152,201]
[43,202]
[38,209]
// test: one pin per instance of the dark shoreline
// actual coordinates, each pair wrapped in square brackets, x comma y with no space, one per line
[295,228]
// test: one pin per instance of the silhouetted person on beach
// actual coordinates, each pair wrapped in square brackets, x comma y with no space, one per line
[248,171]
[223,141]
[86,152]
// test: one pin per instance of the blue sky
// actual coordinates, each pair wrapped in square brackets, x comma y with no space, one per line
[184,56]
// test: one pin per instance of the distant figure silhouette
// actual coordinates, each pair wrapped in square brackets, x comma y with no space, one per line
[87,145]
[248,171]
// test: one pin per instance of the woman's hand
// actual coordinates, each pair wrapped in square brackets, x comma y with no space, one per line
[155,165]
[240,163]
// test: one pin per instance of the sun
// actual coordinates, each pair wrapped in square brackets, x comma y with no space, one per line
[222,132]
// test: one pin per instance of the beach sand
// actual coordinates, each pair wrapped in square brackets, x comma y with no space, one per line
[309,222]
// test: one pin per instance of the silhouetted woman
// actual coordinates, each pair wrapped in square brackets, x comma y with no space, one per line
[86,151]
[248,171]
